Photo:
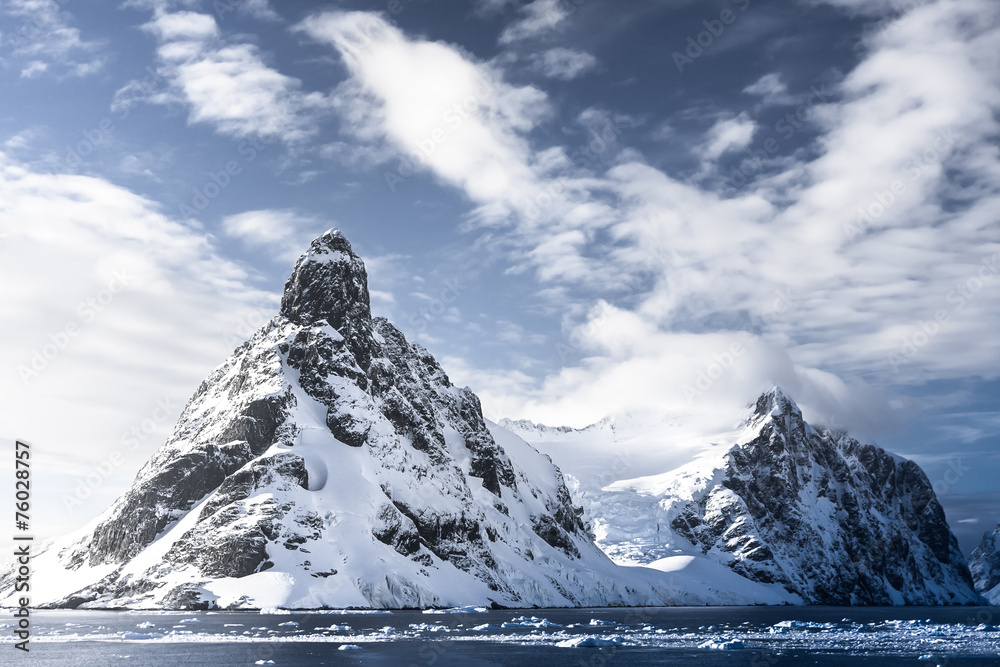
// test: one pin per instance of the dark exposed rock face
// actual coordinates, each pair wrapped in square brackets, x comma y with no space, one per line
[985,566]
[322,399]
[830,519]
[332,287]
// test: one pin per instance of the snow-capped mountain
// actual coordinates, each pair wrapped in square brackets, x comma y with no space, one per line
[330,463]
[985,566]
[828,518]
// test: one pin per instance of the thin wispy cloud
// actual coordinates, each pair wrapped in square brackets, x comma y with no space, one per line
[713,253]
[226,84]
[123,299]
[42,36]
[535,18]
[563,63]
[285,232]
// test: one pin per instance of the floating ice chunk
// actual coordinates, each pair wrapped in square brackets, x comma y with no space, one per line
[147,624]
[190,620]
[723,645]
[264,662]
[485,627]
[275,611]
[141,635]
[804,625]
[348,647]
[427,627]
[336,628]
[526,622]
[598,622]
[467,609]
[287,623]
[590,641]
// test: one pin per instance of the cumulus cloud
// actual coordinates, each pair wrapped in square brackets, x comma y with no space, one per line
[226,85]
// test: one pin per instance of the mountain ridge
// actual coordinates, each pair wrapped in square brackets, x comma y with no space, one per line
[985,566]
[330,463]
[812,510]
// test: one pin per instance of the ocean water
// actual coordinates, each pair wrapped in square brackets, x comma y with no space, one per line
[703,636]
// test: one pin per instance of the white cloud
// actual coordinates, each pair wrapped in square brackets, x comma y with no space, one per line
[565,64]
[695,264]
[120,311]
[769,84]
[226,85]
[728,134]
[34,69]
[771,89]
[285,231]
[633,367]
[537,17]
[436,108]
[44,36]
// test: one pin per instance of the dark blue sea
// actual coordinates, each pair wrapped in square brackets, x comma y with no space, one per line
[707,637]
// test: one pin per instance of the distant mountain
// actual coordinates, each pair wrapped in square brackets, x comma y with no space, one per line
[329,462]
[985,566]
[830,519]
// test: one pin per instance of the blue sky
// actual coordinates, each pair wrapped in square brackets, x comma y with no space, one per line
[582,208]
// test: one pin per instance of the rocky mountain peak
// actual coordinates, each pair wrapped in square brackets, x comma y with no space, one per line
[828,518]
[329,462]
[774,404]
[329,283]
[985,566]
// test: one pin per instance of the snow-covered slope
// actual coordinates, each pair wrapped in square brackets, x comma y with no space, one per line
[830,519]
[627,445]
[330,463]
[985,566]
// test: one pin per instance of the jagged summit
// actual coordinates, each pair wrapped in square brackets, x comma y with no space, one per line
[772,403]
[830,519]
[329,283]
[985,566]
[329,462]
